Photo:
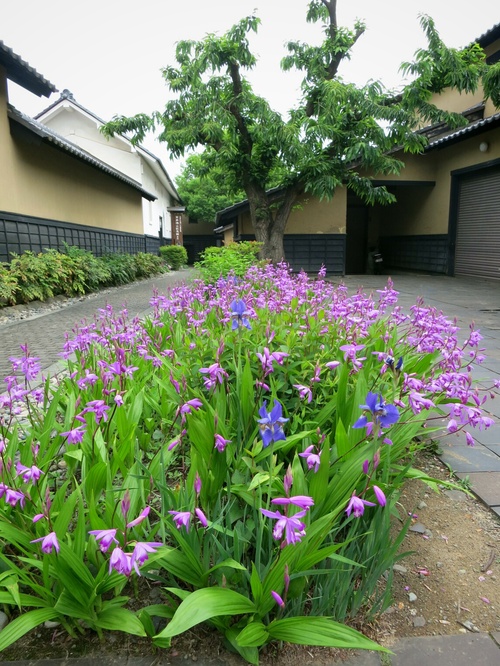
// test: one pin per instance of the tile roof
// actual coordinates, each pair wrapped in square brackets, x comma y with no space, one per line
[51,137]
[472,129]
[19,71]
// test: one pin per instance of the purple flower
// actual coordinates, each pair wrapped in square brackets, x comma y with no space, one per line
[125,504]
[469,439]
[181,519]
[293,527]
[366,466]
[106,538]
[97,407]
[331,365]
[267,358]
[278,599]
[239,315]
[122,562]
[221,443]
[380,496]
[49,543]
[12,496]
[142,550]
[302,501]
[28,365]
[271,423]
[142,516]
[215,374]
[28,474]
[312,459]
[384,415]
[197,484]
[74,436]
[191,405]
[305,392]
[201,517]
[357,506]
[288,480]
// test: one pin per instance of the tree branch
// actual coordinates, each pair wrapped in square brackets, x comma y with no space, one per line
[234,71]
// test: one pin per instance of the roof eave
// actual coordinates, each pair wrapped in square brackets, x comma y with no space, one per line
[21,72]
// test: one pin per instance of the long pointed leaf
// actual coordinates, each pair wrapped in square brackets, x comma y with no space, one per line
[205,604]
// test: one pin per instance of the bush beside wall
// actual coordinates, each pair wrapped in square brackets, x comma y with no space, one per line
[31,277]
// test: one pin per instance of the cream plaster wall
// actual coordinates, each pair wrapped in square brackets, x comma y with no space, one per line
[311,216]
[42,181]
[425,210]
[84,131]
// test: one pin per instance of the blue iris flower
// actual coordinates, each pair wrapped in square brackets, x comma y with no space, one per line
[384,415]
[271,423]
[239,314]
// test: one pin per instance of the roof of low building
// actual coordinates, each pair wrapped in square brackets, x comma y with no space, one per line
[49,136]
[477,127]
[489,36]
[21,72]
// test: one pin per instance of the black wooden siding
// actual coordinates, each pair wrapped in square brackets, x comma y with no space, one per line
[308,252]
[195,244]
[20,233]
[426,253]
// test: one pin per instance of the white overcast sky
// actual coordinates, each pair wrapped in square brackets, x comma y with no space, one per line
[109,52]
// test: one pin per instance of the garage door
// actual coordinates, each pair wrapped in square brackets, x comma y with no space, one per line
[478,225]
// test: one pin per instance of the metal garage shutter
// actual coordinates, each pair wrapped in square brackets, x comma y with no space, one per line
[478,225]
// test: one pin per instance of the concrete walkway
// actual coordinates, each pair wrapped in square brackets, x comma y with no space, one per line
[464,299]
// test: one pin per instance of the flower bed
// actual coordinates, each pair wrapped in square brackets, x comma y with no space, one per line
[244,448]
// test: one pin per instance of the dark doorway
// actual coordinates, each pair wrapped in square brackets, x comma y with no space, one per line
[356,237]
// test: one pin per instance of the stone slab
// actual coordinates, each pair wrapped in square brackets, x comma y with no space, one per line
[459,650]
[486,485]
[470,459]
[488,436]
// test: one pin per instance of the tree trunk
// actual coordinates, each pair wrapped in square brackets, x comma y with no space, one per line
[269,218]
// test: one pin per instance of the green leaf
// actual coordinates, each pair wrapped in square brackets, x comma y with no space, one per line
[120,619]
[21,625]
[250,654]
[95,479]
[26,600]
[321,631]
[258,480]
[254,634]
[205,604]
[232,564]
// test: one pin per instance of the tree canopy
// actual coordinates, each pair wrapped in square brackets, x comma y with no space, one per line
[204,188]
[337,133]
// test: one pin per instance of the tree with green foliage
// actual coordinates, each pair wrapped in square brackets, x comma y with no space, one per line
[205,188]
[338,132]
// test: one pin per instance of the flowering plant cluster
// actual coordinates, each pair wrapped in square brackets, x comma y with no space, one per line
[243,447]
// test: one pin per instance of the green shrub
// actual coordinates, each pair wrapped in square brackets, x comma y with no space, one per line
[31,274]
[147,264]
[174,255]
[121,266]
[234,259]
[90,271]
[8,284]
